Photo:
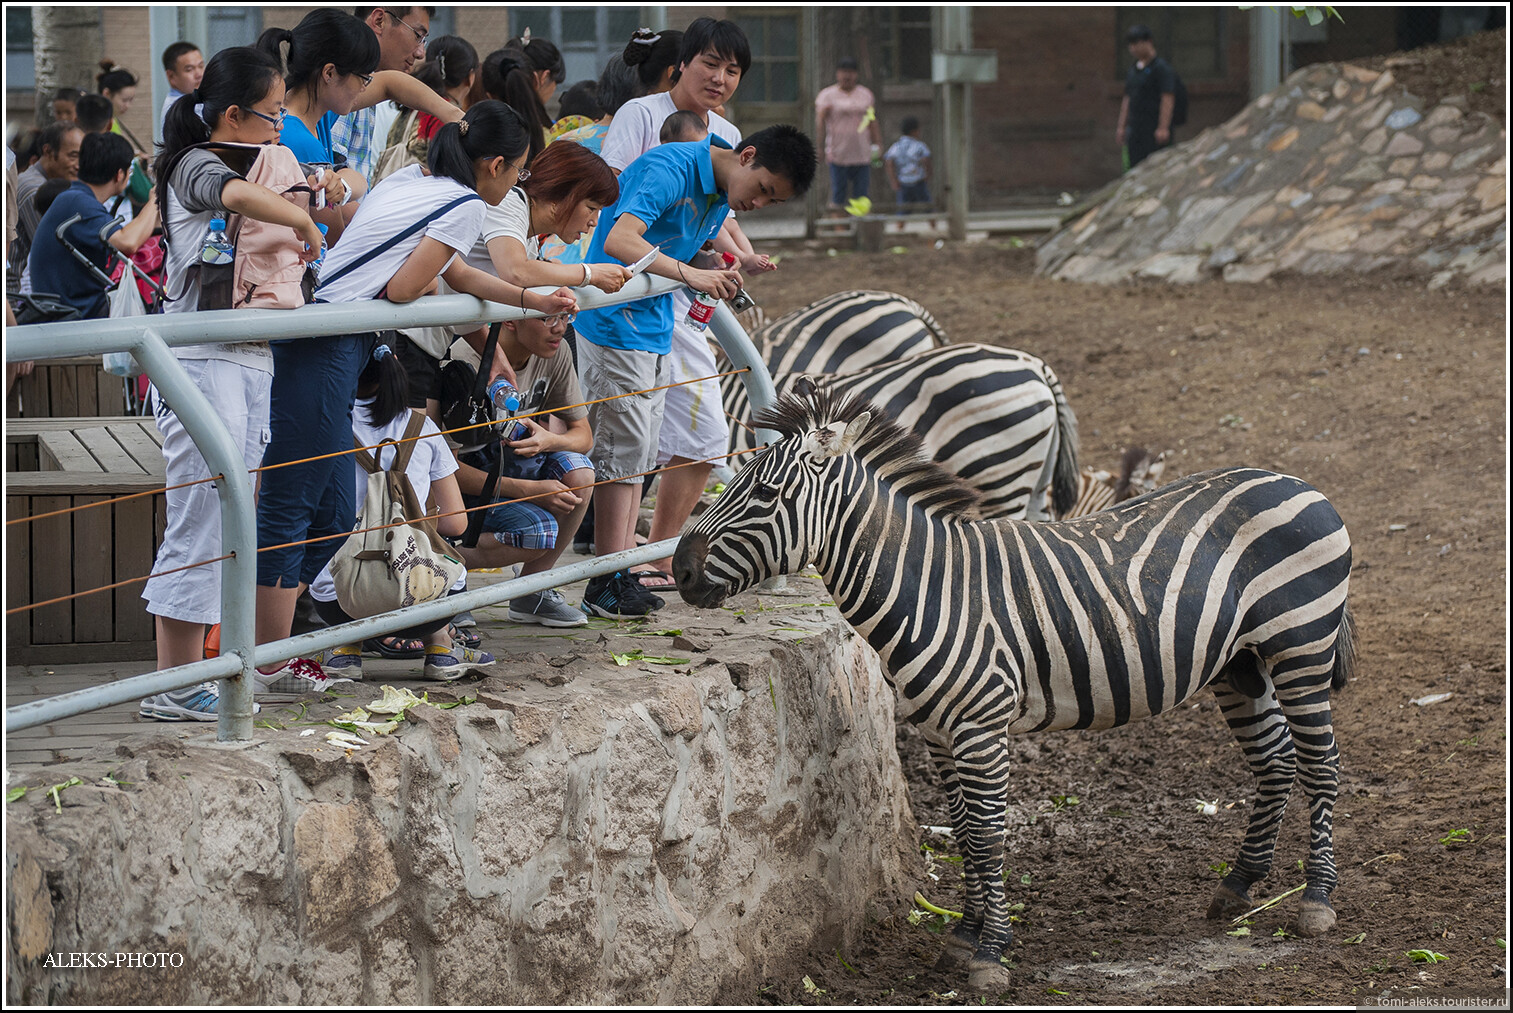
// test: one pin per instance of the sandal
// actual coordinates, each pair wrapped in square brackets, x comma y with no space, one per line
[466,638]
[395,647]
[656,580]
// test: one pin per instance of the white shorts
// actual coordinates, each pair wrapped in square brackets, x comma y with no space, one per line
[240,396]
[693,420]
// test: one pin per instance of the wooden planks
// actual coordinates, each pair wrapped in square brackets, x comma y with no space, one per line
[71,387]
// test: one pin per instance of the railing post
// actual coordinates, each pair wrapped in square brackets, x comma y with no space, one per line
[743,354]
[238,525]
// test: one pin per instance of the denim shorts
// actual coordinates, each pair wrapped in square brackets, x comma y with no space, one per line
[528,525]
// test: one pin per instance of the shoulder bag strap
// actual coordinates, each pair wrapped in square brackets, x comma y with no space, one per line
[407,442]
[397,239]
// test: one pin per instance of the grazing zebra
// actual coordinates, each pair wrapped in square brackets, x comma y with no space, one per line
[1139,473]
[847,331]
[1233,579]
[994,417]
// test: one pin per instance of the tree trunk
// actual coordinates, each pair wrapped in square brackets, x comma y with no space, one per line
[67,42]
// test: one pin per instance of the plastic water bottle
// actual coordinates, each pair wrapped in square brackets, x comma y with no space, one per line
[217,249]
[507,402]
[701,310]
[315,265]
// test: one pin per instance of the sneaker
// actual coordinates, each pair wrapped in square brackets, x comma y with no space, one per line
[456,663]
[342,663]
[463,620]
[619,596]
[197,703]
[548,608]
[296,678]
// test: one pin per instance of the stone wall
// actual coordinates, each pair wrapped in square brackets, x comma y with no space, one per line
[1337,171]
[586,834]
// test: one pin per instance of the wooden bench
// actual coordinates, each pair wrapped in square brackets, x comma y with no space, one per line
[53,464]
[67,388]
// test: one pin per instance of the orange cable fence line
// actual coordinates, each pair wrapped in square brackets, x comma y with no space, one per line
[353,450]
[378,527]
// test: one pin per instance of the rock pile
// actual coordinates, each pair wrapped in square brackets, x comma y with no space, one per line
[1336,171]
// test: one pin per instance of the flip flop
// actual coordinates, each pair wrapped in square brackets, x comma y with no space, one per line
[395,647]
[654,579]
[466,637]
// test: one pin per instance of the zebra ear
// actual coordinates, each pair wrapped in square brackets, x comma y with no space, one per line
[838,438]
[804,387]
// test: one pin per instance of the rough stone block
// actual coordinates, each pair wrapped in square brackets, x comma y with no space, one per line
[1435,161]
[1386,186]
[1336,194]
[1284,140]
[1403,118]
[1402,166]
[1491,192]
[1470,157]
[1442,115]
[1385,81]
[1424,181]
[1378,240]
[1173,267]
[1311,111]
[1250,272]
[1374,141]
[1360,75]
[1403,144]
[1372,114]
[1341,88]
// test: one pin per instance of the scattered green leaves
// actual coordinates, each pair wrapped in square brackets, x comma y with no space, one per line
[1060,802]
[1243,930]
[1056,991]
[1461,836]
[56,791]
[16,794]
[1356,940]
[1425,956]
[455,703]
[1222,868]
[811,987]
[859,207]
[624,660]
[845,963]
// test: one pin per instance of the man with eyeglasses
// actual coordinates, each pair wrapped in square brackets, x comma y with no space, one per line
[402,33]
[549,462]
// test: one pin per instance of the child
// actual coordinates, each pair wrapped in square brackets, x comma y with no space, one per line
[380,414]
[674,198]
[908,162]
[683,126]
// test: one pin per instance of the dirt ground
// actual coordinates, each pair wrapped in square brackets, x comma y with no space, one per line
[1389,398]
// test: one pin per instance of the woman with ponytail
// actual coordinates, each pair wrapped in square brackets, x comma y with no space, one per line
[242,94]
[332,68]
[410,231]
[450,70]
[509,76]
[119,85]
[654,58]
[379,414]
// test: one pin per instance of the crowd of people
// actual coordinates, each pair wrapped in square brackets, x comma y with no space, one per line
[419,168]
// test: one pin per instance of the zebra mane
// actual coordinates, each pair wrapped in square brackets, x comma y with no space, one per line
[894,453]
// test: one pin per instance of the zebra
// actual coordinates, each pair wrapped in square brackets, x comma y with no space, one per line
[1234,579]
[848,331]
[995,417]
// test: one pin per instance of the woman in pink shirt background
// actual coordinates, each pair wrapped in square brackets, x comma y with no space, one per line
[840,111]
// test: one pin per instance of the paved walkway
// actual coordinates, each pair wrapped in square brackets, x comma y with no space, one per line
[72,738]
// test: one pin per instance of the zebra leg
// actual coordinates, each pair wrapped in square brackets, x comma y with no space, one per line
[961,942]
[982,771]
[1261,729]
[1303,692]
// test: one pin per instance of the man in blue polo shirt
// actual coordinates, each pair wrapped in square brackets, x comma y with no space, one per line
[104,169]
[673,199]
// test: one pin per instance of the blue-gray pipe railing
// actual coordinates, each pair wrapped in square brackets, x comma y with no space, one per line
[151,340]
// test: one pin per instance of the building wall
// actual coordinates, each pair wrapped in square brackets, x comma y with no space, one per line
[1049,119]
[129,43]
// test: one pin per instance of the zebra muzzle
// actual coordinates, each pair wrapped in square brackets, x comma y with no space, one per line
[688,570]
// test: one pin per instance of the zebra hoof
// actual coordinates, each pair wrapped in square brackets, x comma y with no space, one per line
[957,953]
[1227,903]
[1315,917]
[987,977]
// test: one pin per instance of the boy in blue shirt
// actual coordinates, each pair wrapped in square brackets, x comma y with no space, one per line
[673,199]
[104,170]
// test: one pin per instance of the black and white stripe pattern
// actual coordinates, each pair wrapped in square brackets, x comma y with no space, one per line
[1139,473]
[1234,580]
[994,417]
[848,331]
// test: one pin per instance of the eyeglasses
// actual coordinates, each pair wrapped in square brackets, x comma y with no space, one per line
[419,35]
[521,174]
[560,318]
[367,79]
[277,121]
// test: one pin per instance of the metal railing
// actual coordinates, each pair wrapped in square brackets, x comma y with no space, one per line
[151,340]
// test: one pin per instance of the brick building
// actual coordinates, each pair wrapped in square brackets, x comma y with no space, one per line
[1045,125]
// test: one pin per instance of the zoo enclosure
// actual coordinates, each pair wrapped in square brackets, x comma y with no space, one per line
[151,340]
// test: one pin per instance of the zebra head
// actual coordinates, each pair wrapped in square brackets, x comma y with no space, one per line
[765,523]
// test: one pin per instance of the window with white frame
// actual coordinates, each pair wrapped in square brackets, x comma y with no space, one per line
[587,36]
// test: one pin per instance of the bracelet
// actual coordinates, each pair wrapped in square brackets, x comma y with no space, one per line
[346,194]
[680,272]
[588,274]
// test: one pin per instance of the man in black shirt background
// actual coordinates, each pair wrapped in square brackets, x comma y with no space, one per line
[1150,96]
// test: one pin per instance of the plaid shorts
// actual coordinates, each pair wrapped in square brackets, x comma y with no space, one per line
[526,525]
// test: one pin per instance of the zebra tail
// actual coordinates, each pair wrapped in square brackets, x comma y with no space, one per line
[937,332]
[1064,479]
[1344,651]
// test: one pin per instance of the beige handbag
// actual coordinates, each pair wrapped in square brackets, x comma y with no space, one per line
[392,567]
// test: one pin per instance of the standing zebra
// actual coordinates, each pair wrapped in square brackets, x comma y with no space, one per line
[848,331]
[1233,579]
[994,417]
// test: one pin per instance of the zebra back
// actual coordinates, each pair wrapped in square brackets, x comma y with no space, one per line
[994,417]
[848,331]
